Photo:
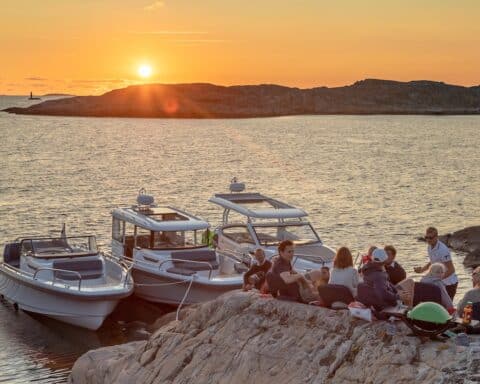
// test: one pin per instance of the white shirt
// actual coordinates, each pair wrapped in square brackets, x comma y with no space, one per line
[346,276]
[441,254]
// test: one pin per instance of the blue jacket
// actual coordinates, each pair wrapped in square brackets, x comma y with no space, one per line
[380,292]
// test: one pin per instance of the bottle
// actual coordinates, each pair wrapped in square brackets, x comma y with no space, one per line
[391,328]
[366,259]
[467,313]
[462,340]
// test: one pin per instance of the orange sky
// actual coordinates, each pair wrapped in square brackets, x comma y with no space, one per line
[91,46]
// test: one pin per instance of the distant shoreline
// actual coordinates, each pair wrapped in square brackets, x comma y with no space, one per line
[204,101]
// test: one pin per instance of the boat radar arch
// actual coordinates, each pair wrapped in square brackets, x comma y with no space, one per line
[236,186]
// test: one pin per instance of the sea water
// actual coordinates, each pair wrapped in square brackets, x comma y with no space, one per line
[363,179]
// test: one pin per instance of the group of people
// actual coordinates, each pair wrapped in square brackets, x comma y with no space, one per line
[379,282]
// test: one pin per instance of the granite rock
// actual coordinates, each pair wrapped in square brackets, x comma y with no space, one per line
[244,338]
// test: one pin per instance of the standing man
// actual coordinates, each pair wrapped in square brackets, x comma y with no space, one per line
[439,253]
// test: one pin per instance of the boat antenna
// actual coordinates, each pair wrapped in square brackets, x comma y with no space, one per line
[236,186]
[63,233]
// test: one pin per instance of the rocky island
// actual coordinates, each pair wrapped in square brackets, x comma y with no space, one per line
[465,240]
[200,100]
[248,338]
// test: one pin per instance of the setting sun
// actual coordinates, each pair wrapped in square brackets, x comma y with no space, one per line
[145,70]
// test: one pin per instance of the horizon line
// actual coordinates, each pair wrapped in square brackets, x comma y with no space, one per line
[240,85]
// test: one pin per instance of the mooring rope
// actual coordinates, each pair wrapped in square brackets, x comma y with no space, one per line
[160,284]
[184,297]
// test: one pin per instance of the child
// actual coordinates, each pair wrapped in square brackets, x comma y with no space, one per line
[313,279]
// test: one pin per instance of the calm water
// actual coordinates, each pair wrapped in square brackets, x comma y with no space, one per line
[363,179]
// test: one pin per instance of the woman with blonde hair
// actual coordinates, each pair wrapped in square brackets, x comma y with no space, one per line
[343,272]
[434,276]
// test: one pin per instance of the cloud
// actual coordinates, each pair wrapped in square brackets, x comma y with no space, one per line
[107,81]
[199,41]
[154,6]
[170,32]
[35,78]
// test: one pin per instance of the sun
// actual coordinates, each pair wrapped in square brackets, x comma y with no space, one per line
[144,70]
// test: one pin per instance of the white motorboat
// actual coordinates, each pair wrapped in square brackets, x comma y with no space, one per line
[253,220]
[64,278]
[172,262]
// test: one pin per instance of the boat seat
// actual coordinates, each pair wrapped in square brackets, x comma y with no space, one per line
[184,260]
[88,269]
[423,292]
[11,254]
[476,311]
[181,271]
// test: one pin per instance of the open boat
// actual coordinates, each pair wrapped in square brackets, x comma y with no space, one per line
[64,278]
[252,220]
[171,259]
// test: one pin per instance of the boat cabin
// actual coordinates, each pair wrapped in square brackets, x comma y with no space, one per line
[258,220]
[156,228]
[253,220]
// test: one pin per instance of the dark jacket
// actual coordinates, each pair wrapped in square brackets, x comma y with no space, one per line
[380,293]
[260,271]
[396,273]
[276,285]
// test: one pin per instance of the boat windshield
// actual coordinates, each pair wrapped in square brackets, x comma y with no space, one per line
[300,234]
[180,239]
[60,247]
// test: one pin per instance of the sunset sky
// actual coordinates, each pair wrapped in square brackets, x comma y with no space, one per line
[91,46]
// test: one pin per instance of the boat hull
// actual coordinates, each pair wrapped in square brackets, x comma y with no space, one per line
[153,287]
[86,312]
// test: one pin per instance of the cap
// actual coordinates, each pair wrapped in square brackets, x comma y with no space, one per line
[379,255]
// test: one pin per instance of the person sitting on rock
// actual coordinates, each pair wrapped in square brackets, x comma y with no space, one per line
[309,287]
[343,272]
[283,281]
[473,294]
[434,276]
[395,271]
[366,258]
[255,276]
[377,291]
[324,277]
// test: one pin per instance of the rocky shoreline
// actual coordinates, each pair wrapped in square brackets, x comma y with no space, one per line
[245,338]
[465,240]
[199,100]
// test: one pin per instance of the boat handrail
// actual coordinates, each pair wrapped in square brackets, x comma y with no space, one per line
[189,261]
[128,269]
[59,270]
[243,257]
[125,263]
[235,254]
[304,256]
[311,258]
